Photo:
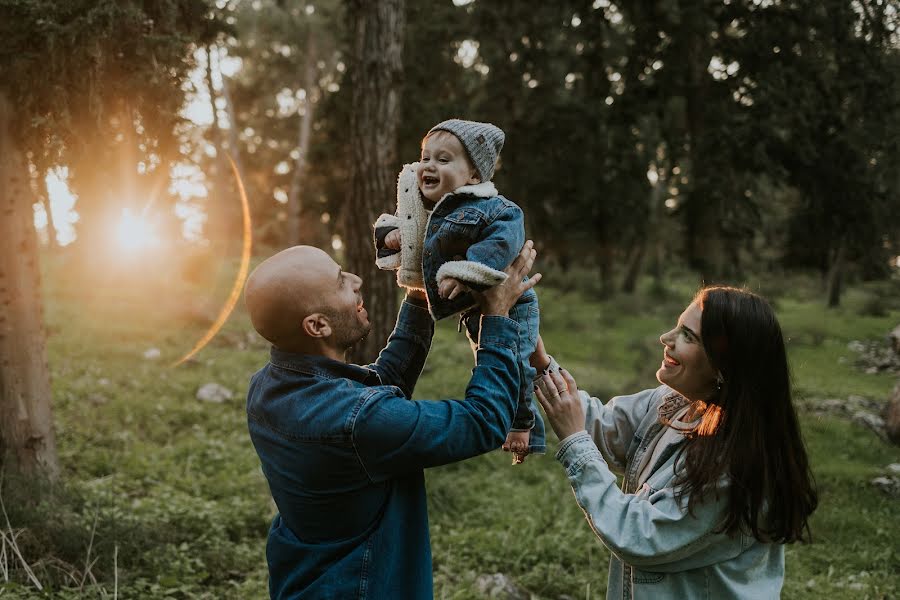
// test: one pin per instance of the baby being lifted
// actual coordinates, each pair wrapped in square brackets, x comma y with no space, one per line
[452,234]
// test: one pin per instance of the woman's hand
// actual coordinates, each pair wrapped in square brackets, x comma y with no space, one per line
[561,403]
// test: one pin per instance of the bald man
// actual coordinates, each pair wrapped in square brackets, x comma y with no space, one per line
[343,446]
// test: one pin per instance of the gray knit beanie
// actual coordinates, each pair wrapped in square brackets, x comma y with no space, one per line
[482,141]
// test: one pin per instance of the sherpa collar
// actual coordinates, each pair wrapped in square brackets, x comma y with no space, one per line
[479,190]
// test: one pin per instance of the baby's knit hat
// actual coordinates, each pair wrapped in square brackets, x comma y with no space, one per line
[482,141]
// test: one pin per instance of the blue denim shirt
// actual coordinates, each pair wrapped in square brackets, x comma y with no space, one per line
[343,448]
[660,551]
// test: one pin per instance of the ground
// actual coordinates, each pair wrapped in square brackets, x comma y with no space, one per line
[163,496]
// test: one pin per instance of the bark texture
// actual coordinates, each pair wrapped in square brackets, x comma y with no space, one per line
[27,439]
[376,69]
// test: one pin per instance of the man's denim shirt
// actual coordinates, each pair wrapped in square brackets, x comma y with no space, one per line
[659,550]
[343,448]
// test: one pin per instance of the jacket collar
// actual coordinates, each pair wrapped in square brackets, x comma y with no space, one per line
[479,190]
[322,366]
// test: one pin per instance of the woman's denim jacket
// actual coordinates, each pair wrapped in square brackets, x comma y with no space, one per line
[659,550]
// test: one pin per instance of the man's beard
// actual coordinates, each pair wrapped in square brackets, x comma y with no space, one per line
[348,331]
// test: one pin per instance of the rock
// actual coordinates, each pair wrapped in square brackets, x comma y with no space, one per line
[888,485]
[213,392]
[152,353]
[500,586]
[872,421]
[892,416]
[856,346]
[894,336]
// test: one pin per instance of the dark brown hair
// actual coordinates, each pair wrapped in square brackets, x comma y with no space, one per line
[749,433]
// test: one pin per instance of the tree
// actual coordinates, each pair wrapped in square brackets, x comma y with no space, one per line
[375,70]
[81,81]
[27,439]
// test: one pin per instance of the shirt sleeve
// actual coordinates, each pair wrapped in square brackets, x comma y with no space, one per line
[403,358]
[651,529]
[393,435]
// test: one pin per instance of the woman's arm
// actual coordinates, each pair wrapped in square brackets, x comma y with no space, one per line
[650,529]
[611,425]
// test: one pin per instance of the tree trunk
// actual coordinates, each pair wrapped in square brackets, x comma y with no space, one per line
[234,147]
[44,194]
[633,267]
[835,276]
[376,28]
[27,439]
[295,207]
[699,210]
[221,215]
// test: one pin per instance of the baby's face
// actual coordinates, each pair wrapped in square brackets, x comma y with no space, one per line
[444,166]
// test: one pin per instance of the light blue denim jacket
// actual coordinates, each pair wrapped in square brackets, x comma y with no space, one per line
[659,550]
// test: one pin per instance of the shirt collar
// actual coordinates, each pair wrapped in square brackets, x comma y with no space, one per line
[322,366]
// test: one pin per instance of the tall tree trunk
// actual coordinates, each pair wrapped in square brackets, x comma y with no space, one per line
[835,275]
[234,147]
[377,29]
[634,264]
[27,439]
[43,192]
[700,211]
[294,206]
[221,215]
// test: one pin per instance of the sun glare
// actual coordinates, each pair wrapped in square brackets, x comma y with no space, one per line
[134,232]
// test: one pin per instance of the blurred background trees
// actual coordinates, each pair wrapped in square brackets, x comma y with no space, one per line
[734,138]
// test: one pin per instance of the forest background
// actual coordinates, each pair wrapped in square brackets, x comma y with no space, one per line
[653,144]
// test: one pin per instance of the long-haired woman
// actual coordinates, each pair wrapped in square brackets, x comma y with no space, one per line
[716,476]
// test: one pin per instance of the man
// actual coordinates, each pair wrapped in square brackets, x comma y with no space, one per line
[343,446]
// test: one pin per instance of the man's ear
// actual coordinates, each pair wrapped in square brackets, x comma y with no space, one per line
[316,325]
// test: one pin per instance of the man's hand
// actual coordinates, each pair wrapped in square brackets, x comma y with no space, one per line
[502,297]
[392,240]
[450,288]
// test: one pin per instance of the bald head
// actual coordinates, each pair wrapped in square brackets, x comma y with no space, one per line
[286,288]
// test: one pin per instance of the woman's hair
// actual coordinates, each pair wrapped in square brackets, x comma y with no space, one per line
[749,433]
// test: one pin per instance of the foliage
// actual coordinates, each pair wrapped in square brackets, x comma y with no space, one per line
[170,491]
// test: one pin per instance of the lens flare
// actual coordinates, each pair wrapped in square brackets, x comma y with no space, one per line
[238,280]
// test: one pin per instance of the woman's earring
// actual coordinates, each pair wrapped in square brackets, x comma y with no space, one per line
[719,381]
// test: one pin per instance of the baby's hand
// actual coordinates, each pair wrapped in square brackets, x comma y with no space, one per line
[392,240]
[450,288]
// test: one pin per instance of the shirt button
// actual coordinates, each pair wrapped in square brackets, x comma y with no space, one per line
[434,228]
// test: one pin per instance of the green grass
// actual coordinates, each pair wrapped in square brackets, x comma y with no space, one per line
[170,491]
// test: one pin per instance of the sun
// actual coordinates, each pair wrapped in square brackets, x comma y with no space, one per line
[135,232]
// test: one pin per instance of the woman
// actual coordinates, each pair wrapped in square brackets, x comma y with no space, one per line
[716,477]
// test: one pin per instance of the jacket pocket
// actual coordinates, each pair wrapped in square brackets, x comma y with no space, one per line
[647,576]
[463,223]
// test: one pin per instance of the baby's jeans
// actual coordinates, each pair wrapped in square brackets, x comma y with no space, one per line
[527,315]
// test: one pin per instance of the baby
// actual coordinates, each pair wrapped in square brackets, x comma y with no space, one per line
[453,233]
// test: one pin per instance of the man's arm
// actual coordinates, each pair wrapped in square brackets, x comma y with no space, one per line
[402,360]
[393,435]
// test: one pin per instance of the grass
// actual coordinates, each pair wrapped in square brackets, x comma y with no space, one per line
[167,493]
